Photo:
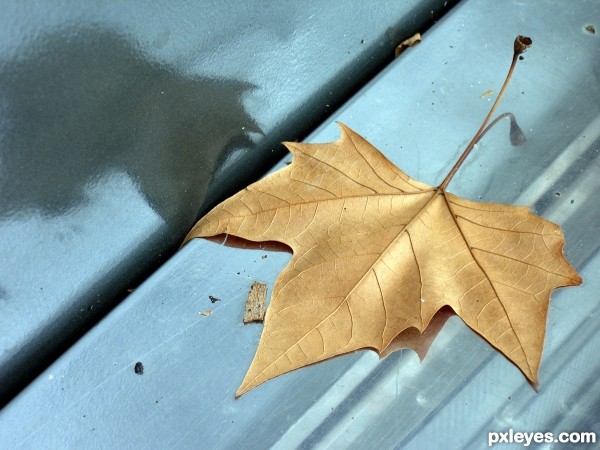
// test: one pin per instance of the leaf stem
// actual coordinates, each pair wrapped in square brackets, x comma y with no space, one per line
[522,43]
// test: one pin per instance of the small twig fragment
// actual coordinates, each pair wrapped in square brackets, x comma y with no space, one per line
[206,313]
[410,42]
[486,93]
[256,304]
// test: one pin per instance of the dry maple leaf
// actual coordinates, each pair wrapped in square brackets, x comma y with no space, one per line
[376,253]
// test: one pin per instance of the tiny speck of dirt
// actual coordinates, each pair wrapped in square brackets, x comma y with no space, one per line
[263,257]
[572,201]
[590,29]
[521,58]
[557,194]
[213,299]
[362,41]
[139,368]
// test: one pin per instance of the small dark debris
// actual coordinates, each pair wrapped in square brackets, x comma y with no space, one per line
[590,29]
[572,201]
[557,194]
[263,257]
[362,41]
[213,299]
[139,368]
[521,58]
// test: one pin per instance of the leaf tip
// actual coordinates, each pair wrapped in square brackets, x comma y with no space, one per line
[188,237]
[345,129]
[244,388]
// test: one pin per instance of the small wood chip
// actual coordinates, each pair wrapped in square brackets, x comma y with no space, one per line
[410,42]
[486,93]
[256,304]
[207,313]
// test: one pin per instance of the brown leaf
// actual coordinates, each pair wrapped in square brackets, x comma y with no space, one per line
[376,253]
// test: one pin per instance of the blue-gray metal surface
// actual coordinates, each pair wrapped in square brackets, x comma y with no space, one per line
[421,111]
[120,122]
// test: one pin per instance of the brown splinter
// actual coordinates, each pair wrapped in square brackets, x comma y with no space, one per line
[256,303]
[522,43]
